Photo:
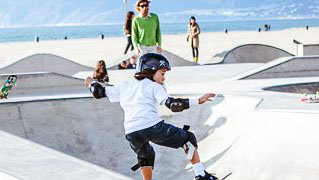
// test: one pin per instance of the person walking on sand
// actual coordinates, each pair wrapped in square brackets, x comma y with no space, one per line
[146,32]
[128,30]
[139,98]
[100,72]
[193,36]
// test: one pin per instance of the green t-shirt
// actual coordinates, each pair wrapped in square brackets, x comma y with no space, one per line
[146,31]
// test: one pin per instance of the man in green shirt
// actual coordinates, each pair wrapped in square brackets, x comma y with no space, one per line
[146,33]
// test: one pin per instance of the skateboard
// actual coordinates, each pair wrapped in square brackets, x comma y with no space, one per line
[226,176]
[7,86]
[311,98]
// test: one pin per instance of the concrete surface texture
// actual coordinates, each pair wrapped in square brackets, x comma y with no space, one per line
[309,88]
[57,64]
[183,74]
[43,63]
[7,176]
[24,160]
[310,49]
[30,84]
[285,67]
[251,53]
[176,60]
[254,134]
[233,133]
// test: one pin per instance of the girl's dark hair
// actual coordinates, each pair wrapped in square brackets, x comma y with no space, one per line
[192,17]
[128,21]
[100,73]
[129,14]
[144,74]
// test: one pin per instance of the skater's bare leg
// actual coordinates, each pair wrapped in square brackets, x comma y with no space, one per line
[147,172]
[197,165]
[195,157]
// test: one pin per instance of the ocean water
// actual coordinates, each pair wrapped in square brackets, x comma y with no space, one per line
[78,32]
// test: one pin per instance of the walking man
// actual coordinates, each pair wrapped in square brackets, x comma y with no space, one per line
[146,33]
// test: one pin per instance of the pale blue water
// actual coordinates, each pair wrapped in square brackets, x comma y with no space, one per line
[77,32]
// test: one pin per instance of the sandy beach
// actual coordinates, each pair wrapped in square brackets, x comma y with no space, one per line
[88,51]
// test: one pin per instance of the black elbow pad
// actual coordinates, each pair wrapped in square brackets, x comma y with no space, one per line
[177,105]
[97,90]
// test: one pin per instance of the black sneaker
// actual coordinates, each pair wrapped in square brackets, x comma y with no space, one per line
[206,177]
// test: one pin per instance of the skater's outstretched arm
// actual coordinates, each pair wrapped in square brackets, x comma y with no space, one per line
[205,98]
[180,104]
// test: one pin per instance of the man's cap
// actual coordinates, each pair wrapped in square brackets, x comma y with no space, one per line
[139,1]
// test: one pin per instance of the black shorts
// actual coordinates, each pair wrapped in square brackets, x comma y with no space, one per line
[162,134]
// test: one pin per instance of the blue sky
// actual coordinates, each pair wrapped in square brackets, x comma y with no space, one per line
[96,12]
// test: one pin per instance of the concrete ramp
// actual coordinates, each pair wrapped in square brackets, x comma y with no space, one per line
[184,75]
[22,159]
[173,59]
[244,141]
[237,132]
[271,149]
[218,127]
[92,130]
[31,84]
[177,60]
[300,88]
[251,53]
[43,63]
[83,127]
[286,67]
[112,64]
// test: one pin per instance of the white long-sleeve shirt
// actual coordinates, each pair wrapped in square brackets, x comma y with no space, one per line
[139,100]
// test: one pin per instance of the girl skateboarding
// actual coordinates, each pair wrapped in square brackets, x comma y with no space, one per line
[138,98]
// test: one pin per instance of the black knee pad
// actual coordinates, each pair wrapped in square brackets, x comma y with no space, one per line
[148,160]
[190,137]
[190,143]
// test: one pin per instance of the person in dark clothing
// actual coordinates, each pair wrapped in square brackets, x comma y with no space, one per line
[101,36]
[122,65]
[132,64]
[128,30]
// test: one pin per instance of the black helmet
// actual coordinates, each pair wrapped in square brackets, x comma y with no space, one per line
[152,62]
